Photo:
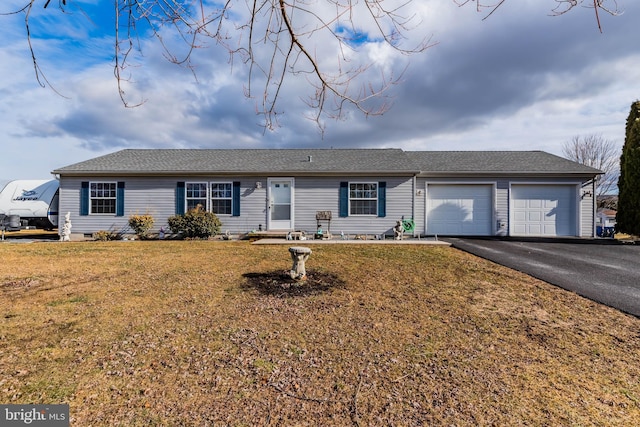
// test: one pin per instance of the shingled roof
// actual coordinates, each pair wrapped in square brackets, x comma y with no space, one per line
[285,161]
[433,163]
[325,161]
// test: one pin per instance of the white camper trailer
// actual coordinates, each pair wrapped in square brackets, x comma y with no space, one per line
[29,203]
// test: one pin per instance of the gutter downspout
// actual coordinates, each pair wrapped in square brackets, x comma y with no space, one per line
[414,184]
[595,208]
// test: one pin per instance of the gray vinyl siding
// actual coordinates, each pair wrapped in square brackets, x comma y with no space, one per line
[253,206]
[322,194]
[587,211]
[69,202]
[156,196]
[420,209]
[150,180]
[502,200]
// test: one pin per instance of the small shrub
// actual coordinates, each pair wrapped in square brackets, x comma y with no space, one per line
[104,235]
[141,224]
[196,223]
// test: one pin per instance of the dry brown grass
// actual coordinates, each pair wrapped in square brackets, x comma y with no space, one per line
[210,333]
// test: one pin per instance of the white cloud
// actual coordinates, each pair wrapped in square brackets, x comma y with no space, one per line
[517,80]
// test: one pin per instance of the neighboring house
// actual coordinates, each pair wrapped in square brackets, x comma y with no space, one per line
[366,190]
[605,222]
[606,217]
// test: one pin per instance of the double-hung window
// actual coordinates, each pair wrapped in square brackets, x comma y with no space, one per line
[102,197]
[363,198]
[221,198]
[196,194]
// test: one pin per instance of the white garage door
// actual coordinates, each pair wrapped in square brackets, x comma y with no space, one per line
[543,210]
[459,210]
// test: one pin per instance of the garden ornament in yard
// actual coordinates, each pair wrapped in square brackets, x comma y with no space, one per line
[398,230]
[299,255]
[65,236]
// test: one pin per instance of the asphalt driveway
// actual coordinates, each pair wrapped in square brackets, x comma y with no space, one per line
[597,269]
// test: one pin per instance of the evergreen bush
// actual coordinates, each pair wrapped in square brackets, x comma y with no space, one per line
[195,223]
[628,216]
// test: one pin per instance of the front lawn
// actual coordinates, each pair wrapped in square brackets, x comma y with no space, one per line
[198,333]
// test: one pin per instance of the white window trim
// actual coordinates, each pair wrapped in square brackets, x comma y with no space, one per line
[377,184]
[210,197]
[115,198]
[186,191]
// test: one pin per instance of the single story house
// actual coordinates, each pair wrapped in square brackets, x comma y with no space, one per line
[606,217]
[365,191]
[605,222]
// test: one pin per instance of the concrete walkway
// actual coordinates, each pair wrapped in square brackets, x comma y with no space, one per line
[351,242]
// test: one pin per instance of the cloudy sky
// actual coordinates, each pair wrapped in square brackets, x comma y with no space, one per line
[518,80]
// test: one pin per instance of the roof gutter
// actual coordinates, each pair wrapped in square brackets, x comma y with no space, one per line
[63,173]
[468,174]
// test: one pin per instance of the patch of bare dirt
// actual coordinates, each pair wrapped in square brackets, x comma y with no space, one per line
[279,283]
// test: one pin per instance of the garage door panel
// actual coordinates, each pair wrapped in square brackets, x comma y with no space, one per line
[534,216]
[519,229]
[519,204]
[459,209]
[448,211]
[449,227]
[534,229]
[468,228]
[550,204]
[543,210]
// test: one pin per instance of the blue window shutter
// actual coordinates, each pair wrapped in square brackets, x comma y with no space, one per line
[120,199]
[180,197]
[344,199]
[84,198]
[382,199]
[235,201]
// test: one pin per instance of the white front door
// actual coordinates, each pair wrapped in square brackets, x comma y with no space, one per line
[280,216]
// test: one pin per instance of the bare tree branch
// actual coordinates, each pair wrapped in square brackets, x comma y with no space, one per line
[279,40]
[562,6]
[597,152]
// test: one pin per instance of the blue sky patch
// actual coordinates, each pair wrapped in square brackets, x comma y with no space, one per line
[354,37]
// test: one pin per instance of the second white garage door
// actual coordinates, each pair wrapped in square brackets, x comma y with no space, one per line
[459,210]
[543,210]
